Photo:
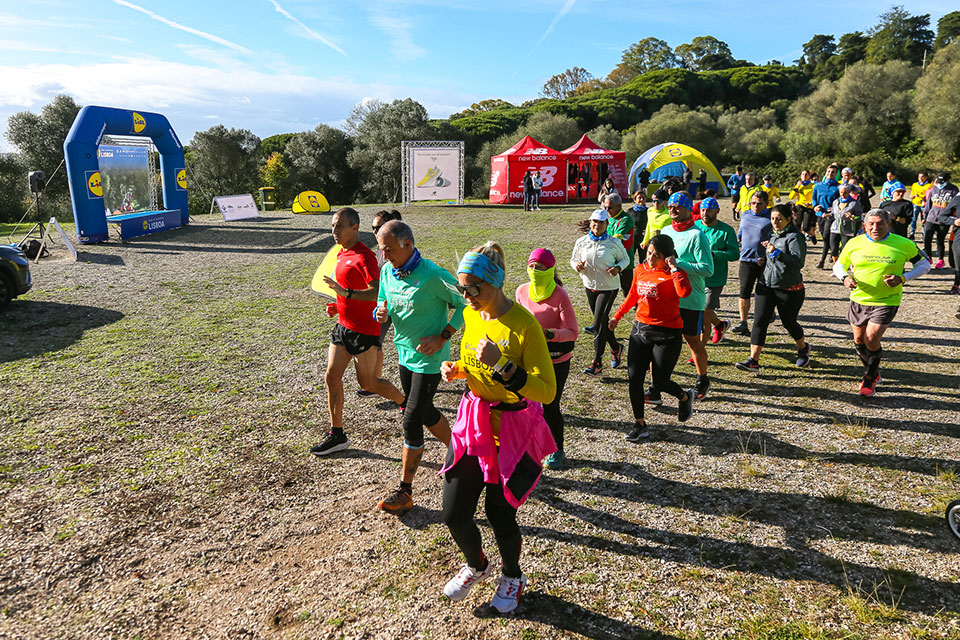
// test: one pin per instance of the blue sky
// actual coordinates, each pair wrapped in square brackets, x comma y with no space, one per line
[275,66]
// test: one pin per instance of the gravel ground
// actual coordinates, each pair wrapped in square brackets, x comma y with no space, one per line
[160,397]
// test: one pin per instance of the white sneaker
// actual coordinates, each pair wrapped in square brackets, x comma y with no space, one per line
[460,585]
[508,593]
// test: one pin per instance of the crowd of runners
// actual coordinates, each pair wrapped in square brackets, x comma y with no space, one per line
[669,260]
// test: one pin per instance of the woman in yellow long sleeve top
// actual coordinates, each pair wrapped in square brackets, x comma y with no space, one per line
[500,438]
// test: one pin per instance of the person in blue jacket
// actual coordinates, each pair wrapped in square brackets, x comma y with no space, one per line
[734,183]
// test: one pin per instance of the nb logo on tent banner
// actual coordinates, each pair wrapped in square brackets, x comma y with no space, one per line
[542,151]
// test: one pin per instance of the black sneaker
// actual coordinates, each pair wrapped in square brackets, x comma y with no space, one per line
[685,408]
[331,444]
[590,330]
[594,369]
[803,356]
[742,329]
[652,397]
[639,433]
[702,386]
[616,356]
[748,365]
[363,393]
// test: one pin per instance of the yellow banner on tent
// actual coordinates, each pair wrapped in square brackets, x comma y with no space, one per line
[310,202]
[327,268]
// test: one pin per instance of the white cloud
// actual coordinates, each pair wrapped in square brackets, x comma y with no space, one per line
[195,96]
[310,32]
[177,25]
[399,31]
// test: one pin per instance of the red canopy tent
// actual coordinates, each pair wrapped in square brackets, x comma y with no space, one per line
[508,168]
[588,165]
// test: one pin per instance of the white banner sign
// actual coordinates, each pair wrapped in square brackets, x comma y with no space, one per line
[239,207]
[434,173]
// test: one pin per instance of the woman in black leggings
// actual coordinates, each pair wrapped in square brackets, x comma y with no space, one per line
[780,288]
[599,258]
[657,335]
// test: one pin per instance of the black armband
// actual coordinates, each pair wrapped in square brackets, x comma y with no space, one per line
[516,382]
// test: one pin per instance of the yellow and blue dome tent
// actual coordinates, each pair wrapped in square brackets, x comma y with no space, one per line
[670,159]
[310,202]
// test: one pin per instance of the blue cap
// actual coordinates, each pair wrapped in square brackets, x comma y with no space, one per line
[681,199]
[709,203]
[897,186]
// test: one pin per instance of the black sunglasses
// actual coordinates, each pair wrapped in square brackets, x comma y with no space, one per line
[377,229]
[472,290]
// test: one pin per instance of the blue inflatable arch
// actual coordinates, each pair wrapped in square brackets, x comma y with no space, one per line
[83,167]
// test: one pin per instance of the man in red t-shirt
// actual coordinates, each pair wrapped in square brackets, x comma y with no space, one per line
[357,333]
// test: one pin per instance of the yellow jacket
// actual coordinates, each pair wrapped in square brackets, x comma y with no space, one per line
[746,193]
[803,194]
[918,192]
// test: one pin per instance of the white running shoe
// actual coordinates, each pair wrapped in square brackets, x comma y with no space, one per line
[460,585]
[508,593]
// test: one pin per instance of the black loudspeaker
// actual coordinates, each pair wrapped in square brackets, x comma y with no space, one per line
[38,180]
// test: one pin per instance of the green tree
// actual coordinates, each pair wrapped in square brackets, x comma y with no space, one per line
[899,36]
[563,85]
[704,53]
[318,162]
[274,174]
[482,107]
[674,123]
[948,30]
[14,197]
[620,75]
[378,130]
[751,136]
[551,129]
[39,142]
[816,52]
[605,136]
[649,54]
[868,109]
[275,144]
[222,162]
[938,119]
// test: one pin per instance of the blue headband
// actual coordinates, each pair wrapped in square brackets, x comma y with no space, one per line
[709,203]
[479,265]
[681,199]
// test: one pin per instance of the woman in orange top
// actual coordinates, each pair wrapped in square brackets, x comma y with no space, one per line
[657,337]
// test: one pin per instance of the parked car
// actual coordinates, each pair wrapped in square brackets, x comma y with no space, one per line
[14,274]
[953,517]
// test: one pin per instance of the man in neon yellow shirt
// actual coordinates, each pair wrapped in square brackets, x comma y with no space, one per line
[657,218]
[877,259]
[749,188]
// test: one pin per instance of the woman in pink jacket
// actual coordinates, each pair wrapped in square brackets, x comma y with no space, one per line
[545,297]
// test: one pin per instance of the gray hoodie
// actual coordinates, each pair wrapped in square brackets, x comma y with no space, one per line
[784,266]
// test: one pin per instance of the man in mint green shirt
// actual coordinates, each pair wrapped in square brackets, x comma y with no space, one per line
[623,227]
[418,296]
[696,260]
[724,247]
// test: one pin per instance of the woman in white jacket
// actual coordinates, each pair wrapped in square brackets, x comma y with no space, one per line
[599,258]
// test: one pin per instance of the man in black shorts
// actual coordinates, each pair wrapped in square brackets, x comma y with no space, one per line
[754,230]
[871,265]
[357,333]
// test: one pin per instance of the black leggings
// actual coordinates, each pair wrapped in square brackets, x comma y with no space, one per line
[660,346]
[626,279]
[601,302]
[462,486]
[940,230]
[787,305]
[827,236]
[551,412]
[419,389]
[956,256]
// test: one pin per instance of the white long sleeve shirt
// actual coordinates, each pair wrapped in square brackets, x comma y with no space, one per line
[597,257]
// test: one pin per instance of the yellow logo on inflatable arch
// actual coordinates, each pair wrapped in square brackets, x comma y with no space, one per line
[145,225]
[95,185]
[139,122]
[182,178]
